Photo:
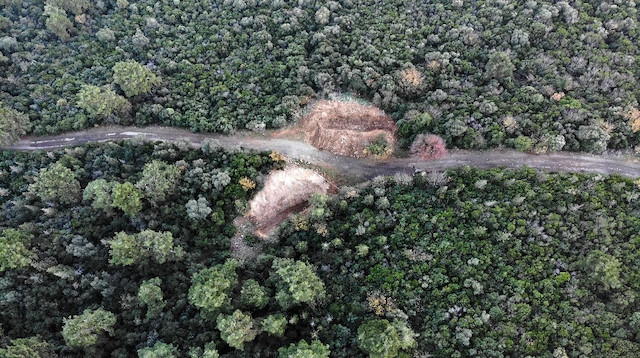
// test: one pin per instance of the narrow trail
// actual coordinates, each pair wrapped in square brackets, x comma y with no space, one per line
[627,166]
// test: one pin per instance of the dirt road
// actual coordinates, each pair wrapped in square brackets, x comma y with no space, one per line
[364,168]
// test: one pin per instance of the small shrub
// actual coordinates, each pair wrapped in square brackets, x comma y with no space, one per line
[428,146]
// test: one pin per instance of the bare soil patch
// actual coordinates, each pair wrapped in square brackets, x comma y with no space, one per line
[285,192]
[348,128]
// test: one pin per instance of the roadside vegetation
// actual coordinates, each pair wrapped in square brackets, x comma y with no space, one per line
[535,75]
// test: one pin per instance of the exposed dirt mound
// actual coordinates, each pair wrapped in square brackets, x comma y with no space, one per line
[349,128]
[284,192]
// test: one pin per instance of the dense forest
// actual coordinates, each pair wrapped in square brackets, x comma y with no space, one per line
[125,249]
[534,75]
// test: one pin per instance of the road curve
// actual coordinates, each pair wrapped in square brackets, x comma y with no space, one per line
[627,166]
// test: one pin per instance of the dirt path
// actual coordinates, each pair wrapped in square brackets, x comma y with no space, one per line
[362,168]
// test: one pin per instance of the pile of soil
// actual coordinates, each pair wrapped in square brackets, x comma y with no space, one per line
[285,192]
[347,127]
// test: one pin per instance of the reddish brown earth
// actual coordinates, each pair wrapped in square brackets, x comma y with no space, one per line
[347,127]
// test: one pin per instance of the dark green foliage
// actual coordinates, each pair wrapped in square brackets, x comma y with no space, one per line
[238,64]
[499,262]
[68,250]
[496,263]
[13,125]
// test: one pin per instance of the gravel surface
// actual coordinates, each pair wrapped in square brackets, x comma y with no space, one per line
[628,166]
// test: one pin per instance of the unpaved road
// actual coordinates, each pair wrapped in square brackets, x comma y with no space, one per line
[364,168]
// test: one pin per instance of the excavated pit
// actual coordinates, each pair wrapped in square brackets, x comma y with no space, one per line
[285,192]
[348,128]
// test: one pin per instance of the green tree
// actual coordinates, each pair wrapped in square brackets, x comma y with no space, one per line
[236,329]
[159,179]
[127,198]
[83,331]
[102,102]
[198,209]
[208,352]
[297,283]
[211,287]
[150,294]
[143,247]
[274,324]
[13,252]
[499,66]
[305,350]
[57,22]
[28,348]
[76,7]
[100,193]
[522,143]
[13,125]
[134,78]
[253,294]
[57,183]
[382,339]
[159,350]
[603,270]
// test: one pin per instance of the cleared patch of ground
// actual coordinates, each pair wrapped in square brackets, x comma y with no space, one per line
[285,192]
[349,128]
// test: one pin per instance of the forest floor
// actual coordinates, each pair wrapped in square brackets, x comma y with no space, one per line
[289,143]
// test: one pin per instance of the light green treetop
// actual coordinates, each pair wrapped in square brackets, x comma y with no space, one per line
[383,339]
[127,198]
[134,78]
[32,347]
[83,331]
[57,183]
[57,22]
[305,350]
[143,247]
[99,193]
[274,324]
[297,282]
[159,179]
[159,350]
[209,351]
[13,252]
[253,294]
[101,102]
[211,287]
[150,294]
[236,329]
